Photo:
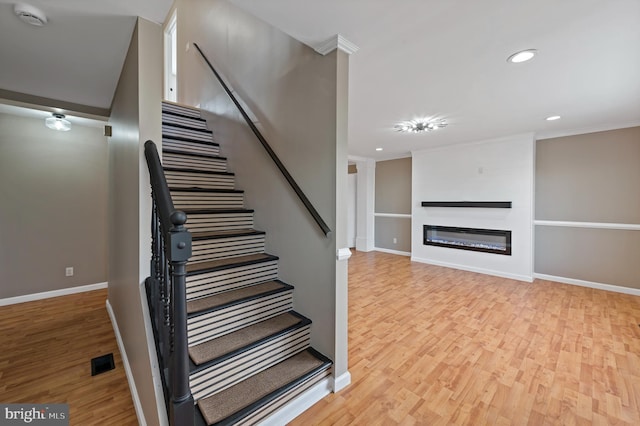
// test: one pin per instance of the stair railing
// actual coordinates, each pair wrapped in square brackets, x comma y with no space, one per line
[166,292]
[294,185]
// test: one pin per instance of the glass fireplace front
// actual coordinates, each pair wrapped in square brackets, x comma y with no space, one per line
[484,240]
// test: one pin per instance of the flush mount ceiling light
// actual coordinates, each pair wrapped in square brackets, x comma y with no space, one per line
[522,56]
[378,149]
[553,118]
[420,125]
[58,122]
[30,14]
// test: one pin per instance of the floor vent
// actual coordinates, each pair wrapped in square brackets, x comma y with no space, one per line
[102,364]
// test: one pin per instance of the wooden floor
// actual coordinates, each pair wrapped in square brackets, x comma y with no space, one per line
[436,346]
[46,353]
[427,346]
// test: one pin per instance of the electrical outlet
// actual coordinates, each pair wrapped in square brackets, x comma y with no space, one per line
[68,271]
[395,241]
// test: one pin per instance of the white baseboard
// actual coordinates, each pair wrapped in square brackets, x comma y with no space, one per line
[127,367]
[52,293]
[341,382]
[401,253]
[474,269]
[590,284]
[299,405]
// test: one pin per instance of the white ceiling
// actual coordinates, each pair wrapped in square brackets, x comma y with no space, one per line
[447,58]
[77,57]
[442,58]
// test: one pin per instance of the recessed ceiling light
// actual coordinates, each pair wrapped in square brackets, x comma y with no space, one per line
[522,56]
[553,118]
[378,149]
[420,125]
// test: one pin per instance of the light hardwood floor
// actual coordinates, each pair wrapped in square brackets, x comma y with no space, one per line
[436,346]
[46,353]
[427,346]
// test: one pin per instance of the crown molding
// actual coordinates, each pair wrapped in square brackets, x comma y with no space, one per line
[336,42]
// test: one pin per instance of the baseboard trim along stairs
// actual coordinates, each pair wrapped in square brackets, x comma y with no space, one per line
[250,355]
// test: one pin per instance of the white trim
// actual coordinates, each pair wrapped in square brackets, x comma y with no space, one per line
[594,225]
[127,367]
[400,215]
[474,269]
[398,252]
[153,358]
[550,134]
[336,42]
[389,157]
[364,244]
[590,284]
[343,253]
[341,381]
[299,405]
[52,293]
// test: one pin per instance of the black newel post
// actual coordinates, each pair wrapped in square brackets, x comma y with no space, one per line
[179,251]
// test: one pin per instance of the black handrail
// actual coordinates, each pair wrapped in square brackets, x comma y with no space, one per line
[167,294]
[314,213]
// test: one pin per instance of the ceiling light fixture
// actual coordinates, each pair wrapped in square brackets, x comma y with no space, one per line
[420,125]
[522,56]
[378,149]
[58,122]
[553,118]
[30,14]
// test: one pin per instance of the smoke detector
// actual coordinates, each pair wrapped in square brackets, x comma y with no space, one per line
[30,14]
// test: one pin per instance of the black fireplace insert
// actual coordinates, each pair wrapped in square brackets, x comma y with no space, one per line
[485,240]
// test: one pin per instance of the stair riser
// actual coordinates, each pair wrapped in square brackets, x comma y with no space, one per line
[219,222]
[184,121]
[226,247]
[201,285]
[226,374]
[206,327]
[169,131]
[190,147]
[191,200]
[197,180]
[190,112]
[197,163]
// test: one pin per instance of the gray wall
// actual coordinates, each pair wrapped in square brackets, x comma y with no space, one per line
[393,195]
[299,99]
[53,187]
[135,117]
[589,178]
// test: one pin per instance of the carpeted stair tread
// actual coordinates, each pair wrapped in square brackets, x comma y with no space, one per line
[227,297]
[245,337]
[185,127]
[229,262]
[224,234]
[197,171]
[220,406]
[191,154]
[187,139]
[215,211]
[177,114]
[221,190]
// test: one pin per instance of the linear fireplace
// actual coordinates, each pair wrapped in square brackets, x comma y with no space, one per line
[484,240]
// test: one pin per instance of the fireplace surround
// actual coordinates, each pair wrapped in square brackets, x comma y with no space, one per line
[475,239]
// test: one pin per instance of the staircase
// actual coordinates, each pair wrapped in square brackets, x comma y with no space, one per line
[249,351]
